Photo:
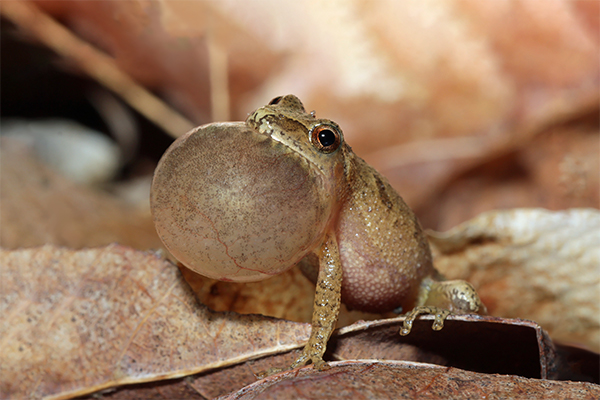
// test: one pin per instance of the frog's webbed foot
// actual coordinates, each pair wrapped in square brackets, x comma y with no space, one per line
[442,299]
[438,323]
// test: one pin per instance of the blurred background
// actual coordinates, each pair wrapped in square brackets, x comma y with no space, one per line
[465,106]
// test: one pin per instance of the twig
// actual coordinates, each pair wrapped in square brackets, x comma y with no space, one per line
[95,63]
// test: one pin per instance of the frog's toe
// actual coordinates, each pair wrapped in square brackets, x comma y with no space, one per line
[438,323]
[440,316]
[408,323]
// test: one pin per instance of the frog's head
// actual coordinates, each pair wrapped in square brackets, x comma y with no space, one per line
[319,141]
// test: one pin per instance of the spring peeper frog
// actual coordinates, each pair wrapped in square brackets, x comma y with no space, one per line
[245,201]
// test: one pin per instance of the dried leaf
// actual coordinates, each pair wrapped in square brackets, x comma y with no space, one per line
[480,344]
[265,297]
[289,295]
[398,379]
[208,385]
[471,342]
[75,322]
[534,264]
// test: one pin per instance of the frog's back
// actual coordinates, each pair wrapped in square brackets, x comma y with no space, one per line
[383,250]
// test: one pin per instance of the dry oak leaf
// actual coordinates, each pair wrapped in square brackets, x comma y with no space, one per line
[407,380]
[75,322]
[481,344]
[534,264]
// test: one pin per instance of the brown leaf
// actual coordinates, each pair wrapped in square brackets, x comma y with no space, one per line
[472,342]
[534,264]
[203,386]
[75,322]
[480,344]
[399,379]
[289,295]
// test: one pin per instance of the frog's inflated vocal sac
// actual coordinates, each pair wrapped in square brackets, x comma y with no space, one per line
[245,201]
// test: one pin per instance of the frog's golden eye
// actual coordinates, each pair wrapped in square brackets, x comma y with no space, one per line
[326,138]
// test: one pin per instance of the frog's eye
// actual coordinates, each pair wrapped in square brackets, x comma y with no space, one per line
[275,100]
[326,138]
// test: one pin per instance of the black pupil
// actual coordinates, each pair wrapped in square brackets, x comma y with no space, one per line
[326,137]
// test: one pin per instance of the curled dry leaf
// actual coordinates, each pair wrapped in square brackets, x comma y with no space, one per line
[399,379]
[472,342]
[534,264]
[480,344]
[75,322]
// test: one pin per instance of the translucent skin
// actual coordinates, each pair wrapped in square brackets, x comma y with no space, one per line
[244,201]
[217,198]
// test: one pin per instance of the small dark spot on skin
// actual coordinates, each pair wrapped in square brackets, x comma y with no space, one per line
[383,193]
[21,348]
[73,319]
[28,319]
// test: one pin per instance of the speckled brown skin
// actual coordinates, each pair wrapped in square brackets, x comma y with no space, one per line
[384,253]
[242,202]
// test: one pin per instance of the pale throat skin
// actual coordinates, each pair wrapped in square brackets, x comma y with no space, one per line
[354,234]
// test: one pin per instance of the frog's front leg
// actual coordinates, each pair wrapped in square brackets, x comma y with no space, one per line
[442,299]
[327,305]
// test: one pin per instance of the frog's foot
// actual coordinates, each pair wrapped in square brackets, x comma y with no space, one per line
[305,357]
[458,296]
[440,316]
[308,354]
